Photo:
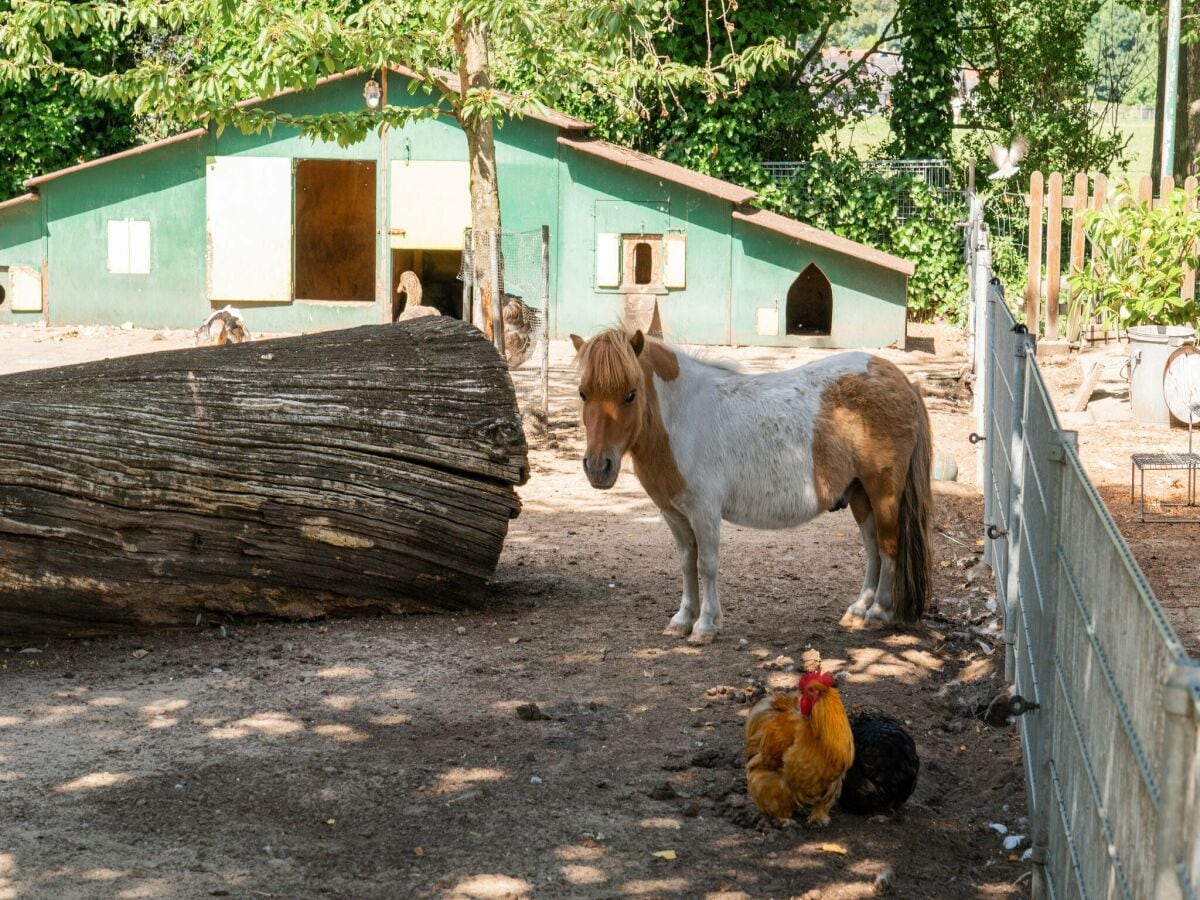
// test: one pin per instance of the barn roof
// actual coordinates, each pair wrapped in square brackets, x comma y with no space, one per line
[553,117]
[795,229]
[133,151]
[15,201]
[740,197]
[659,168]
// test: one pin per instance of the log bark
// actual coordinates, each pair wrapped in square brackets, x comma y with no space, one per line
[355,471]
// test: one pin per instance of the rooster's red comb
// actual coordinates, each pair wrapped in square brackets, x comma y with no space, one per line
[808,678]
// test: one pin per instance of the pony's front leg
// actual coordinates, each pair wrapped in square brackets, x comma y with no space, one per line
[685,543]
[708,545]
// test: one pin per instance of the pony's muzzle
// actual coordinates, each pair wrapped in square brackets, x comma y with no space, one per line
[602,468]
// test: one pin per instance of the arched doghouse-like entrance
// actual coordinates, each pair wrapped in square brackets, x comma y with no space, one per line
[810,303]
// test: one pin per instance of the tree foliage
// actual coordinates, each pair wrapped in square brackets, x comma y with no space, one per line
[1037,79]
[922,117]
[46,123]
[260,47]
[1121,42]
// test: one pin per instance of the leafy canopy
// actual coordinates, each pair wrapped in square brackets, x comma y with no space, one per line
[46,124]
[261,47]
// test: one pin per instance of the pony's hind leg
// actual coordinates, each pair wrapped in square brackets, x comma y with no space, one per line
[887,536]
[860,505]
[685,543]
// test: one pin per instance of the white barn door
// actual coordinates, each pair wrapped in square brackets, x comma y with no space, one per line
[249,228]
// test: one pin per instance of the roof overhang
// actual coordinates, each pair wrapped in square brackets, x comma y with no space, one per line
[17,201]
[659,168]
[124,154]
[817,237]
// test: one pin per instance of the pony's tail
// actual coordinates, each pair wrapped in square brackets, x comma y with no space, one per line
[914,562]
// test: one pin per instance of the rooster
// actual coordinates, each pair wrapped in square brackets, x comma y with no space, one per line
[798,753]
[225,326]
[885,767]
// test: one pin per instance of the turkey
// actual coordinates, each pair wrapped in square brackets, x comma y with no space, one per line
[885,768]
[225,326]
[410,288]
[520,321]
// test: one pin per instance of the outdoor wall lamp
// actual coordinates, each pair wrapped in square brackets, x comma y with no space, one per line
[372,94]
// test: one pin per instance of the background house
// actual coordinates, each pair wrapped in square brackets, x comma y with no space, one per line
[305,235]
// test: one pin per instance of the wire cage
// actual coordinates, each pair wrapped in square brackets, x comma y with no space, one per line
[938,174]
[523,266]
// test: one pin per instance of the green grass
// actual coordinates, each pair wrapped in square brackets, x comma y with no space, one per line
[1140,150]
[867,136]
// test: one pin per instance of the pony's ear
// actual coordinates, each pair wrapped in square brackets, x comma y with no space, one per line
[578,342]
[638,341]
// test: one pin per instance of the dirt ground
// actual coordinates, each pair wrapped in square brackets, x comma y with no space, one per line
[385,757]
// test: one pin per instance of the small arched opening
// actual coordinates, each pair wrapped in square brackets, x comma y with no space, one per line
[643,263]
[810,303]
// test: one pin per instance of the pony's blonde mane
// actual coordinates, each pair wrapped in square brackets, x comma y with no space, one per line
[607,362]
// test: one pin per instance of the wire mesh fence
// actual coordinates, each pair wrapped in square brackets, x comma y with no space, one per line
[937,174]
[521,262]
[1112,746]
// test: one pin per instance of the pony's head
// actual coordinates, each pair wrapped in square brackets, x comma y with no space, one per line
[611,384]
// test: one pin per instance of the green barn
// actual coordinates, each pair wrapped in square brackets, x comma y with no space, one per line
[304,235]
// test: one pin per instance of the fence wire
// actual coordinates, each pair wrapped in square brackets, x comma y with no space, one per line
[523,265]
[937,174]
[1112,752]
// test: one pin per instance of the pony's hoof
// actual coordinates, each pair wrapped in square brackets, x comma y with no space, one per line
[702,635]
[854,617]
[877,618]
[677,629]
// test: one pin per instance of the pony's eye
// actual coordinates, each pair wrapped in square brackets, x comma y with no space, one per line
[630,397]
[583,396]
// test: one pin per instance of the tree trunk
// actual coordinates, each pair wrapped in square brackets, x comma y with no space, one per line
[353,471]
[471,45]
[1187,140]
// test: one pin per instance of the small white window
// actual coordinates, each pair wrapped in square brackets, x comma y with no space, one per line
[25,289]
[129,247]
[608,260]
[675,261]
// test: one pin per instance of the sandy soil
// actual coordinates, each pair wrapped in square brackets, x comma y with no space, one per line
[382,758]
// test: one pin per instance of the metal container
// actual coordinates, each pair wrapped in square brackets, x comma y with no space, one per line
[1150,346]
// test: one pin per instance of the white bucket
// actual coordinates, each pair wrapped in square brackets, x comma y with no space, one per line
[1150,346]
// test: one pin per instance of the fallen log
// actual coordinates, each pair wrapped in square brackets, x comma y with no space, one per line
[352,471]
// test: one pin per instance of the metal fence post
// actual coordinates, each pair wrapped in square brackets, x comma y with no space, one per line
[985,387]
[1024,357]
[1044,640]
[546,324]
[1177,832]
[497,300]
[981,276]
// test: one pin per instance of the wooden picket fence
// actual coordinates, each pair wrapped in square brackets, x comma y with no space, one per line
[1047,205]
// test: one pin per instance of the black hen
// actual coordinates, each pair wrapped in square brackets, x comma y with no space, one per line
[885,767]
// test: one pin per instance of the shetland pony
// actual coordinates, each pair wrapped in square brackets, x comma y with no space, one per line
[765,451]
